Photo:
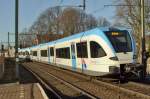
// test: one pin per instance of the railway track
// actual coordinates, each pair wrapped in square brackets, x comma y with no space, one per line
[95,87]
[61,88]
[134,86]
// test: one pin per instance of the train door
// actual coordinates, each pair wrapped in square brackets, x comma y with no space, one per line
[49,55]
[73,56]
[38,55]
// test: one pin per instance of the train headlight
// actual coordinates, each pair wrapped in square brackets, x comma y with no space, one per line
[114,58]
[113,69]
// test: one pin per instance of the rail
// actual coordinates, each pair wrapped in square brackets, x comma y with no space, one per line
[88,95]
[83,83]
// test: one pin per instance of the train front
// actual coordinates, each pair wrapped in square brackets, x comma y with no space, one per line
[124,48]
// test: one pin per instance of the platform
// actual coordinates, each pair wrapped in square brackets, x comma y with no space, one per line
[22,91]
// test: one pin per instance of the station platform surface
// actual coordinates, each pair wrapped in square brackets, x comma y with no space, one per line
[22,91]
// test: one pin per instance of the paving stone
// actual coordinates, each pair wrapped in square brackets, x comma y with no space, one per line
[21,91]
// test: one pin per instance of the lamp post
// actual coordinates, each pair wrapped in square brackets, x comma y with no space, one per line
[16,37]
[8,44]
[16,27]
[144,58]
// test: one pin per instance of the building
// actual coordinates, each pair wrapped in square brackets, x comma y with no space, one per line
[8,53]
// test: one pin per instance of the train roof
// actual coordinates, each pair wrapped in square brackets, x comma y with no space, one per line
[79,35]
[96,31]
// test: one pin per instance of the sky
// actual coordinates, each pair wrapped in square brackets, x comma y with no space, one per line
[29,10]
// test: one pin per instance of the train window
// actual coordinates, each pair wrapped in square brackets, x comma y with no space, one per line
[27,53]
[96,50]
[44,53]
[24,53]
[120,40]
[82,50]
[34,53]
[52,51]
[63,53]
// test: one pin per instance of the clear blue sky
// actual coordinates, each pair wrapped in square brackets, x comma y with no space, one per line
[29,10]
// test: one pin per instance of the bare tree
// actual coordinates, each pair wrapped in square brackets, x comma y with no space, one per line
[102,21]
[90,22]
[131,16]
[53,18]
[55,23]
[75,20]
[47,23]
[69,21]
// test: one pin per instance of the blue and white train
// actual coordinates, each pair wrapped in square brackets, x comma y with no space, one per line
[96,52]
[24,54]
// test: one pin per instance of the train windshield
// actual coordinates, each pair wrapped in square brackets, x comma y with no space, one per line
[120,40]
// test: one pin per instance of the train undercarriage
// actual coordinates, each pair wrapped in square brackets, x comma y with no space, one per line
[132,71]
[127,72]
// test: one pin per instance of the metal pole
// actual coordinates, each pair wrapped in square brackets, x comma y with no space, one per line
[16,28]
[16,38]
[143,37]
[8,39]
[8,43]
[84,5]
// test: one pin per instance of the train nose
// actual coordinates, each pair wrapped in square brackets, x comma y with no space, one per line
[115,58]
[125,58]
[114,69]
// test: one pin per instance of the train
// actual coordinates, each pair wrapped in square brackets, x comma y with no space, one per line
[96,52]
